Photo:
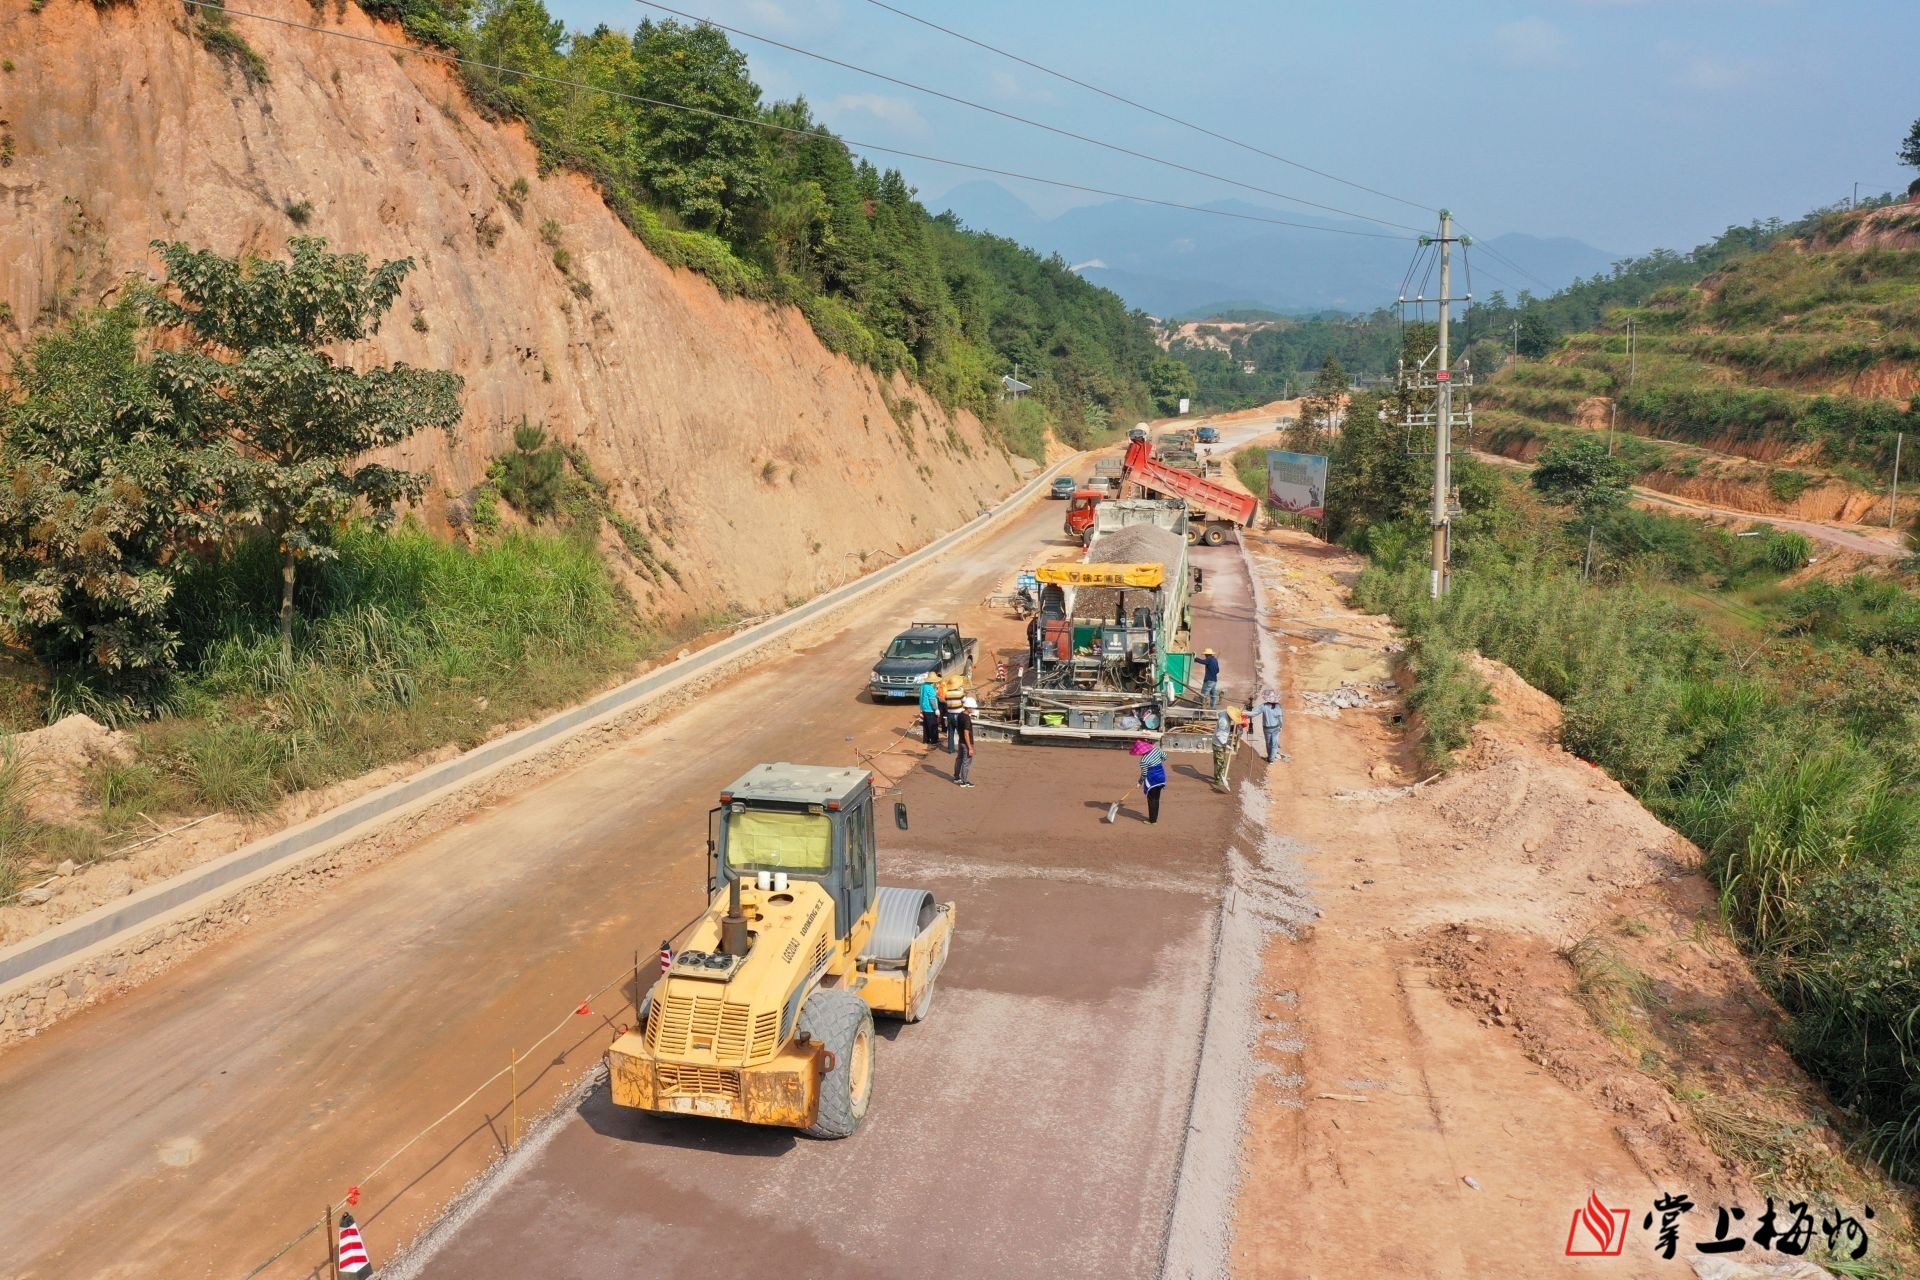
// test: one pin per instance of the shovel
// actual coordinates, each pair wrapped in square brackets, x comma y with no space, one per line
[1113,810]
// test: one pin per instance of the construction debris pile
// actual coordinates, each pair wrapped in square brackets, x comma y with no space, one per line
[1331,702]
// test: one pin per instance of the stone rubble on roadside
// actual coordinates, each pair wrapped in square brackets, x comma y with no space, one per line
[1331,702]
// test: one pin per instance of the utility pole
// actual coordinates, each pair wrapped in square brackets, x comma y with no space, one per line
[1416,381]
[1443,422]
[1893,500]
[1514,351]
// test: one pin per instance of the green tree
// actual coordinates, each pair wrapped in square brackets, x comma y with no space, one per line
[523,36]
[1321,408]
[705,167]
[534,476]
[1169,380]
[255,373]
[1581,474]
[1371,477]
[1536,333]
[105,488]
[1909,154]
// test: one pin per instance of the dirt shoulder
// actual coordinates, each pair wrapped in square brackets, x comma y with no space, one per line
[1516,993]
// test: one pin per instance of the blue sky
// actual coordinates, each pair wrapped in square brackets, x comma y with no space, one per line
[1624,123]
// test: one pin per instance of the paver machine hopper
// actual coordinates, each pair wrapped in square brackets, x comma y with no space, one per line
[766,1014]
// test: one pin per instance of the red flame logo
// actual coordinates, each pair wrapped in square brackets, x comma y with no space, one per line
[1596,1231]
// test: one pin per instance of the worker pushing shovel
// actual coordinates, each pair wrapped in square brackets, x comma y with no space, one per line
[1153,779]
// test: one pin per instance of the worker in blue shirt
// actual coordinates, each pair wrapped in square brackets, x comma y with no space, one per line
[1209,680]
[929,710]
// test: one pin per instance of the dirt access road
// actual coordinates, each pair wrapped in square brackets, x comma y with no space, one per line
[1514,990]
[1861,538]
[194,1126]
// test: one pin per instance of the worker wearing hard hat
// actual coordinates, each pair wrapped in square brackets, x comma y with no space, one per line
[1228,726]
[1209,680]
[952,693]
[963,742]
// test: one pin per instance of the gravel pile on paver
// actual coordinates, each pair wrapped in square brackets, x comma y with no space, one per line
[1134,544]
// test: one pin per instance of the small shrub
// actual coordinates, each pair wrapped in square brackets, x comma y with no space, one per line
[486,510]
[128,792]
[768,471]
[562,260]
[1786,551]
[550,233]
[300,212]
[533,477]
[230,765]
[6,151]
[1787,485]
[489,230]
[1609,987]
[419,323]
[218,37]
[1447,693]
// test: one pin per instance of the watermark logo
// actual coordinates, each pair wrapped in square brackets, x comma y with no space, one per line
[1597,1231]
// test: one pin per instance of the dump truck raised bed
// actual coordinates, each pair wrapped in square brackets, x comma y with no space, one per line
[766,1014]
[1213,510]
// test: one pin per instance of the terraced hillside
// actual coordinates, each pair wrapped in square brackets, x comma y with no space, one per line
[1778,385]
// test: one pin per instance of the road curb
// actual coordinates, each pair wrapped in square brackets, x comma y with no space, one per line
[48,955]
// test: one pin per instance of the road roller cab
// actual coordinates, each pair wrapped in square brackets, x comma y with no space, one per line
[766,1013]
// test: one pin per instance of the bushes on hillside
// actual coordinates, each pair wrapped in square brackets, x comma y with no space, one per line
[765,202]
[1803,797]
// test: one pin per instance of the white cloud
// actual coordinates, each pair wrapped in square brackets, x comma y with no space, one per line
[1707,73]
[1530,42]
[1089,265]
[1009,88]
[896,114]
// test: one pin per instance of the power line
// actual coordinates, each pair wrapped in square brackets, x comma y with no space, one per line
[1504,259]
[770,126]
[1188,124]
[1020,119]
[1152,111]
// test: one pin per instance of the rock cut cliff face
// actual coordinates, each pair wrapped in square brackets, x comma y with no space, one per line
[764,466]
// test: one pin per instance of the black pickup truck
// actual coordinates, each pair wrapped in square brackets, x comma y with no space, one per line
[925,646]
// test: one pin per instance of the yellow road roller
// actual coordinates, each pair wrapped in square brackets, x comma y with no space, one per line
[766,1013]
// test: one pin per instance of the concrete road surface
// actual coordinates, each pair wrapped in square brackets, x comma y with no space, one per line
[1031,1126]
[194,1126]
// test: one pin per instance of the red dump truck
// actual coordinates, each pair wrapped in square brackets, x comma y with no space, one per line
[1212,509]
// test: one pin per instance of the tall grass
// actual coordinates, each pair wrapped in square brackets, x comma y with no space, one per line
[19,833]
[403,642]
[1809,816]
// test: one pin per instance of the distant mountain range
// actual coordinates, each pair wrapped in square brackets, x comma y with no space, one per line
[1173,262]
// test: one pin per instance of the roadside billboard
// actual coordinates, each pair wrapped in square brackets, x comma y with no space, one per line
[1297,482]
